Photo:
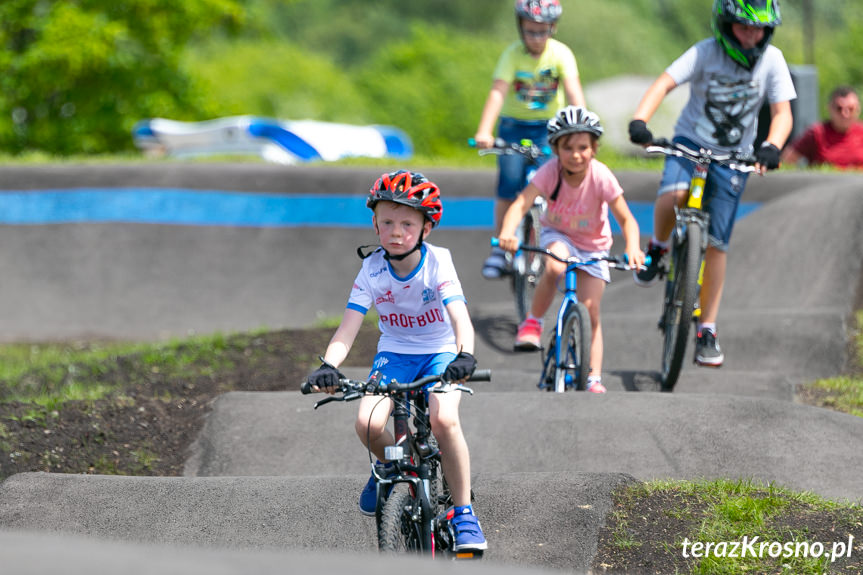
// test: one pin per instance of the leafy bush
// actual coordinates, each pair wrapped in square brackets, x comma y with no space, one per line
[76,75]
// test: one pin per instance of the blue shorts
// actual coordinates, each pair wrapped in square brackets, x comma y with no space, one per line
[721,194]
[408,367]
[511,167]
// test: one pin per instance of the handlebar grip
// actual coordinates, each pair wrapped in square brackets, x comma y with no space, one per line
[306,388]
[495,242]
[471,142]
[481,375]
[647,259]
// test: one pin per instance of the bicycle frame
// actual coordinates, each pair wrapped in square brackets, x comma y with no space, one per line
[557,351]
[414,456]
[685,272]
[557,372]
[413,465]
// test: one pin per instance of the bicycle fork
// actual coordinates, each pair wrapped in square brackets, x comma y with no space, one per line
[685,217]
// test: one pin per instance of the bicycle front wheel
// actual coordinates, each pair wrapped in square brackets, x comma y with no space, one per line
[575,350]
[398,532]
[527,266]
[680,294]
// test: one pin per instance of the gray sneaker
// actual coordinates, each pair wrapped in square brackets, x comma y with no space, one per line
[707,350]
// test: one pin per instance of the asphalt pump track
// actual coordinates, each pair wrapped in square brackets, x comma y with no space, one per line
[272,484]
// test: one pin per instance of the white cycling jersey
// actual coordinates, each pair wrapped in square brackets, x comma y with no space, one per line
[412,309]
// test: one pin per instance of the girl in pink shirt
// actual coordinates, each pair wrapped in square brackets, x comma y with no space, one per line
[579,190]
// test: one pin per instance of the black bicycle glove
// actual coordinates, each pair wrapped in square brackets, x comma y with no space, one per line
[638,133]
[325,376]
[768,156]
[461,367]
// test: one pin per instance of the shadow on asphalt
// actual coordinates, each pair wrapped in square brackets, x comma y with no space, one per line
[496,331]
[638,380]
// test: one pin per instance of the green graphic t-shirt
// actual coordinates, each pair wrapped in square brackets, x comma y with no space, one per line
[536,83]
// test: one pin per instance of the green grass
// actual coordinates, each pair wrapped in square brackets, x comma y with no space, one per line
[50,374]
[844,393]
[738,511]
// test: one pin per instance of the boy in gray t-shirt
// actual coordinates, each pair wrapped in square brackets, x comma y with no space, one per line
[730,76]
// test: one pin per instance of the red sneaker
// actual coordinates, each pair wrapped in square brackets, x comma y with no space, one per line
[529,335]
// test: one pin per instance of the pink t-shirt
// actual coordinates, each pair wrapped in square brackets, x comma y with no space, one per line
[581,212]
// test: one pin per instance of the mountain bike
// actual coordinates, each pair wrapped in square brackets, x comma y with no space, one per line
[526,268]
[566,361]
[683,269]
[413,499]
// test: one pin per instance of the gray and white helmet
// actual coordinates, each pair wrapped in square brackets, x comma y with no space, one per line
[573,120]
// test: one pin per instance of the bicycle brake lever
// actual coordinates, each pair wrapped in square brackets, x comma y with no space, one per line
[326,400]
[351,396]
[446,388]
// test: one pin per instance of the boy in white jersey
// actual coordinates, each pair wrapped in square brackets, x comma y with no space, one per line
[425,330]
[730,76]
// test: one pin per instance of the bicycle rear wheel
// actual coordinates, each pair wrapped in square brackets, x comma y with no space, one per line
[575,350]
[527,266]
[680,299]
[397,532]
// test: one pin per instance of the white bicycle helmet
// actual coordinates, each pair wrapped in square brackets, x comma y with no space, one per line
[573,120]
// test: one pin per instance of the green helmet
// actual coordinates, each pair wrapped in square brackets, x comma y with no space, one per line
[760,13]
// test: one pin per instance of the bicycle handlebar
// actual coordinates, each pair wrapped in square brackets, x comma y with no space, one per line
[620,262]
[734,160]
[525,148]
[354,389]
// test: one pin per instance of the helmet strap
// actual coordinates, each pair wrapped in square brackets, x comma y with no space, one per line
[364,256]
[389,257]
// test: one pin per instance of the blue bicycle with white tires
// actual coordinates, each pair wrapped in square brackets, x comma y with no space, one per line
[566,359]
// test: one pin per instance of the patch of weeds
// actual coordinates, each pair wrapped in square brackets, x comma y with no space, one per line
[145,460]
[104,465]
[693,527]
[844,393]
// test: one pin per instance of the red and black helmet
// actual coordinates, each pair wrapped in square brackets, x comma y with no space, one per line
[410,189]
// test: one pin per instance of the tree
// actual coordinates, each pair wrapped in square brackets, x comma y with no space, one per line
[78,74]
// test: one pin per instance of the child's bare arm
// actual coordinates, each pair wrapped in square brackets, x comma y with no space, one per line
[513,216]
[343,339]
[574,93]
[484,133]
[461,325]
[629,227]
[653,97]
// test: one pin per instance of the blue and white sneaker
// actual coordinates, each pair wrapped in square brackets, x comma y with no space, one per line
[468,533]
[369,495]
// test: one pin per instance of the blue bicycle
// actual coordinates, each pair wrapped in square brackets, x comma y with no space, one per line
[566,361]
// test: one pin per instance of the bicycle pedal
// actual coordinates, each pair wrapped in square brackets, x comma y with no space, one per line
[526,349]
[468,555]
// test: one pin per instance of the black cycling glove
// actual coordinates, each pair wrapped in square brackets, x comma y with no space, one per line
[638,133]
[325,376]
[461,367]
[768,156]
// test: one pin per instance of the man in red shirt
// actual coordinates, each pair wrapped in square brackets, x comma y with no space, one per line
[837,141]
